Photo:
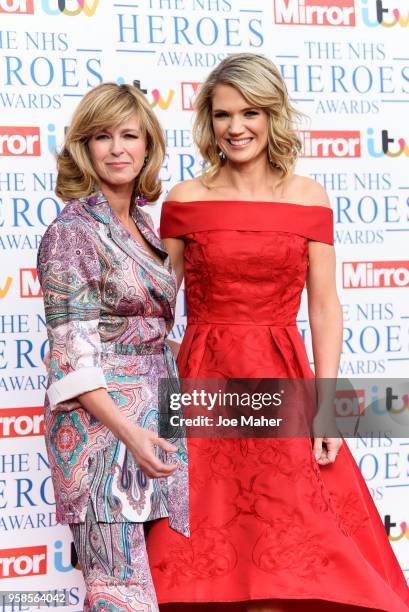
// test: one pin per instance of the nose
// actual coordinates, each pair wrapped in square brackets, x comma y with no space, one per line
[116,146]
[235,126]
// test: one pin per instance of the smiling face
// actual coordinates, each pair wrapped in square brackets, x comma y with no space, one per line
[117,153]
[239,128]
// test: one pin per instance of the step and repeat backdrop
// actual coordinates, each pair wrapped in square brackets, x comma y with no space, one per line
[346,65]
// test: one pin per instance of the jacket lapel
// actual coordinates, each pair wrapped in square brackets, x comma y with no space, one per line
[146,230]
[161,274]
[97,206]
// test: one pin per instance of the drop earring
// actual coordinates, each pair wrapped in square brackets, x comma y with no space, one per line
[141,201]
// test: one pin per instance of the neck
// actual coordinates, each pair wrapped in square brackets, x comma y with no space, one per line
[119,198]
[251,177]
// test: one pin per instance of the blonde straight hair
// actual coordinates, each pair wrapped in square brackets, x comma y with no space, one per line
[259,81]
[104,106]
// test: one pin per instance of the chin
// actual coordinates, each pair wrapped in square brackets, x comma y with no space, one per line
[240,159]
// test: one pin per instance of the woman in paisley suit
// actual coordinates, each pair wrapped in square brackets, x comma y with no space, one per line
[109,297]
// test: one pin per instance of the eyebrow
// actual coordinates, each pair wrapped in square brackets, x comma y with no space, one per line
[216,110]
[108,129]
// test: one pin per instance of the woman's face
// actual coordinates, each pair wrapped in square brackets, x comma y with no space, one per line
[118,153]
[240,129]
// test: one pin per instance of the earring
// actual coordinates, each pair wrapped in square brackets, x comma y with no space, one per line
[145,161]
[141,201]
[222,155]
[272,163]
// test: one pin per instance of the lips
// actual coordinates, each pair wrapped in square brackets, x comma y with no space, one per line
[118,164]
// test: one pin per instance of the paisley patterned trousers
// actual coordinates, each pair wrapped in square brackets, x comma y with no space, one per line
[115,566]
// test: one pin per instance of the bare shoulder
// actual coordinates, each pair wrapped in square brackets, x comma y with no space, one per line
[188,191]
[306,191]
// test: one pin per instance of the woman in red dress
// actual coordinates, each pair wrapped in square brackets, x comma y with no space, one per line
[283,524]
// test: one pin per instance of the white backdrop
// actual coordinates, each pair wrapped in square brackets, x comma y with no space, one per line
[346,64]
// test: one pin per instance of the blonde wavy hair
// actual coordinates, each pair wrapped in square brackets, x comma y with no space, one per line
[108,105]
[258,80]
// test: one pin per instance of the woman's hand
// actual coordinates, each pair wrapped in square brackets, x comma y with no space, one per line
[141,443]
[326,449]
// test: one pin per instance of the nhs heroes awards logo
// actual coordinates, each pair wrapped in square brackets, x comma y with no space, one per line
[338,13]
[199,38]
[27,498]
[23,346]
[384,465]
[39,69]
[367,210]
[345,77]
[375,338]
[339,76]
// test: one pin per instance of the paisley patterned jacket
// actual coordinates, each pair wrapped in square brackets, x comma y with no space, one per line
[108,306]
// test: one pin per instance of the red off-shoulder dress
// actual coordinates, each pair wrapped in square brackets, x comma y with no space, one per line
[266,521]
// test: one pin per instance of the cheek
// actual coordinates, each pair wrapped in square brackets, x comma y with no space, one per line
[263,128]
[218,128]
[95,152]
[138,150]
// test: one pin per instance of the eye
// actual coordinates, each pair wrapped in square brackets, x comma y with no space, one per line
[219,114]
[130,135]
[101,136]
[251,113]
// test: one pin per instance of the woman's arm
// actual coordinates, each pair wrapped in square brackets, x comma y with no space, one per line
[324,310]
[175,247]
[182,192]
[139,441]
[325,316]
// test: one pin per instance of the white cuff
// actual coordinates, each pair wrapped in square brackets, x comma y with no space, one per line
[75,383]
